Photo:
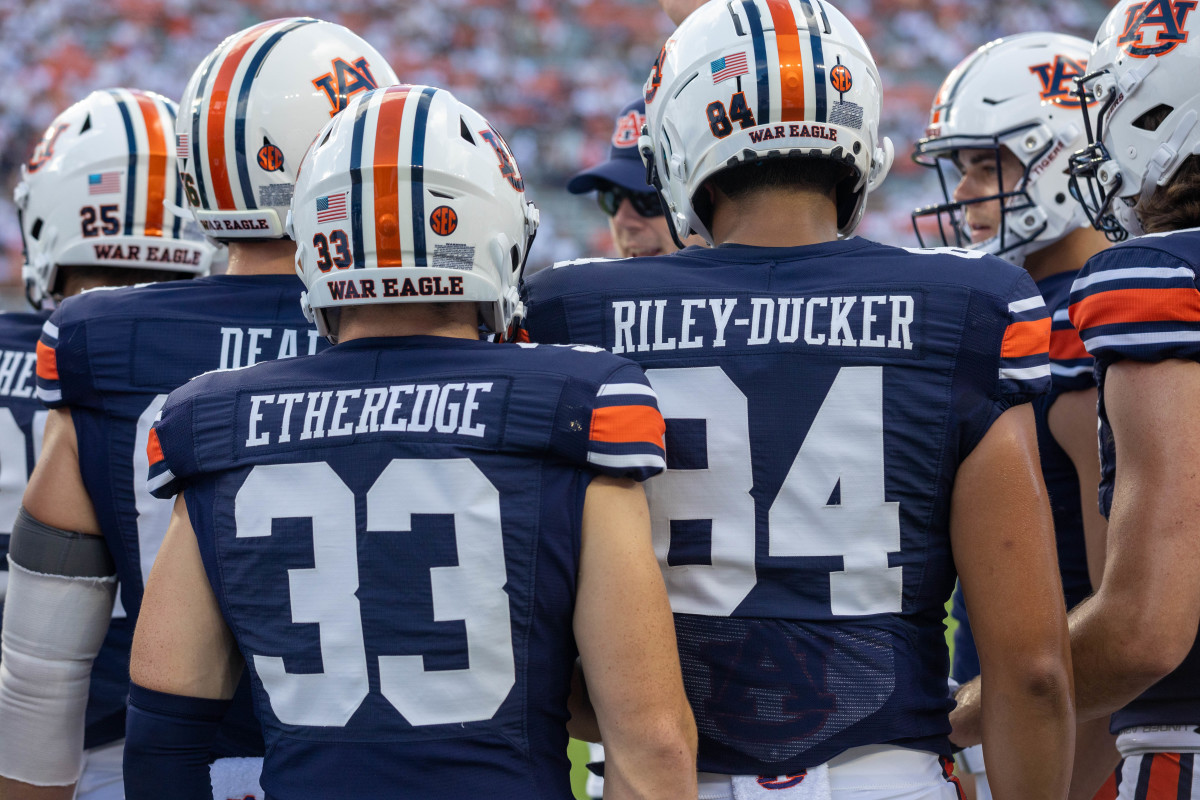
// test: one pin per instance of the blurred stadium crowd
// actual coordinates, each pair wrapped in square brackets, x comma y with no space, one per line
[550,74]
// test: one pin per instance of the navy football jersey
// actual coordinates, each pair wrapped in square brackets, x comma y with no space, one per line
[22,423]
[1071,371]
[818,401]
[392,531]
[1140,300]
[22,418]
[111,356]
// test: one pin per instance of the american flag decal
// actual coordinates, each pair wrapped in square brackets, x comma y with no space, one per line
[181,145]
[331,208]
[104,182]
[730,66]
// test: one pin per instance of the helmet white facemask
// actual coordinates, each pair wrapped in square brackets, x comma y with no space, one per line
[1140,70]
[1013,94]
[251,109]
[752,80]
[410,196]
[101,190]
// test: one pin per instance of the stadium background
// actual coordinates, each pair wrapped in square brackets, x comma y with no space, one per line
[549,74]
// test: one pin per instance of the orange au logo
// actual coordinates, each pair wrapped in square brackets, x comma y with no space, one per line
[45,148]
[629,128]
[345,80]
[840,78]
[1154,28]
[1058,80]
[270,157]
[443,220]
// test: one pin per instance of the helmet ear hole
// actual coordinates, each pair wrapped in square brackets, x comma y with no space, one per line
[35,230]
[1150,120]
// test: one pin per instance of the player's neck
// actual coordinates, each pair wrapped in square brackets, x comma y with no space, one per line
[452,320]
[262,257]
[775,218]
[1068,254]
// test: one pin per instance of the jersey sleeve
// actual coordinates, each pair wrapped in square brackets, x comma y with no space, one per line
[626,437]
[1137,303]
[1024,368]
[63,379]
[1071,366]
[169,447]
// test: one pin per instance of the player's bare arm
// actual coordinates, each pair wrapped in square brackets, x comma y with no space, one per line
[56,494]
[626,640]
[182,645]
[1141,623]
[1008,568]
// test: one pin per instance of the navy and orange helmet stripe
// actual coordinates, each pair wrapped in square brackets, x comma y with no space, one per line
[385,178]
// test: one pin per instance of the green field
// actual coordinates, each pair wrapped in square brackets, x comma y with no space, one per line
[578,750]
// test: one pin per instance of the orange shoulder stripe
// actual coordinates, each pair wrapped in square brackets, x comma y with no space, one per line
[622,424]
[1026,338]
[154,448]
[1065,345]
[47,362]
[1137,305]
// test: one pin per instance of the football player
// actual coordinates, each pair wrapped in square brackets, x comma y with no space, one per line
[108,359]
[635,214]
[1002,130]
[454,514]
[1137,308]
[839,415]
[101,158]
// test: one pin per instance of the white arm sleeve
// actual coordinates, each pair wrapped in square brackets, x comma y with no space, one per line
[53,628]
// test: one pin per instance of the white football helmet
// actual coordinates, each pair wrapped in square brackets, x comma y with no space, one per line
[1015,93]
[1142,61]
[101,190]
[762,79]
[410,196]
[251,109]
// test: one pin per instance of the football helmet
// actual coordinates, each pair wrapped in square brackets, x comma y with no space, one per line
[101,190]
[1139,64]
[1015,93]
[410,196]
[762,79]
[251,109]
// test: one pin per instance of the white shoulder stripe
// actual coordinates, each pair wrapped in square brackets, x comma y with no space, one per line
[629,460]
[50,329]
[1126,339]
[159,481]
[1028,304]
[1062,315]
[49,395]
[612,389]
[1157,273]
[1025,373]
[1068,372]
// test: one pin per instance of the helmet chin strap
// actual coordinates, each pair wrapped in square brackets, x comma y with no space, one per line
[652,178]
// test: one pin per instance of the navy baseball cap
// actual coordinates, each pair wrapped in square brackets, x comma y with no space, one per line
[624,166]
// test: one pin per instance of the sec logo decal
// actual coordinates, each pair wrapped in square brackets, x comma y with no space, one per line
[443,220]
[841,79]
[270,158]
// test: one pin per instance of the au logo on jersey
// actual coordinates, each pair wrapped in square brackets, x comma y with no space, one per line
[45,148]
[1154,28]
[1058,80]
[345,80]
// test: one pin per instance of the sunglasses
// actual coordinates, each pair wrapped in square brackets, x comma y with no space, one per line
[646,204]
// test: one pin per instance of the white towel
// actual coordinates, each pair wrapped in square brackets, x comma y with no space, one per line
[813,784]
[236,778]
